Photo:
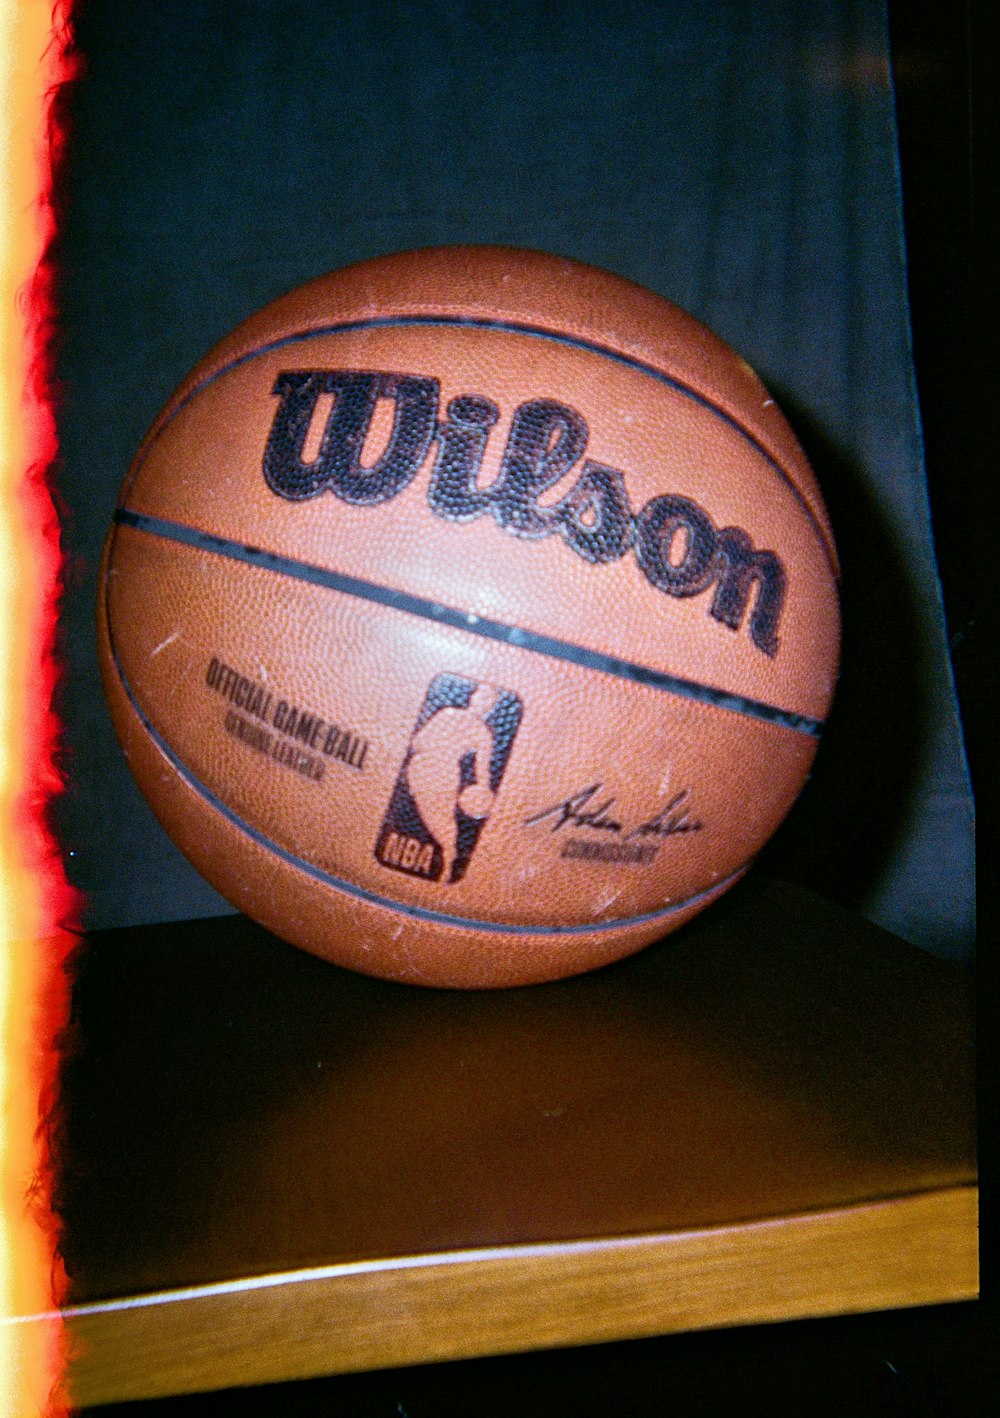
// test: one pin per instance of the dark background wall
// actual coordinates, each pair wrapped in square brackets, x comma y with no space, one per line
[225,152]
[739,158]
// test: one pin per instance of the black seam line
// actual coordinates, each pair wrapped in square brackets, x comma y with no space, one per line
[421,913]
[466,621]
[388,322]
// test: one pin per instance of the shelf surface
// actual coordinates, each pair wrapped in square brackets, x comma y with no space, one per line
[272,1168]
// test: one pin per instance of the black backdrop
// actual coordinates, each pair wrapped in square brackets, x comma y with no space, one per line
[739,158]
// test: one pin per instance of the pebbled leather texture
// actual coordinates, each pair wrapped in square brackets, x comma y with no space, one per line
[470,617]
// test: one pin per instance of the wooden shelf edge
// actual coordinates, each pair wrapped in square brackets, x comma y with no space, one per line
[890,1254]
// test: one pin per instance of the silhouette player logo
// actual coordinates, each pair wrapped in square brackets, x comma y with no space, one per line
[447,786]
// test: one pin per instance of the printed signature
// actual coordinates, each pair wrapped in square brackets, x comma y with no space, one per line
[590,808]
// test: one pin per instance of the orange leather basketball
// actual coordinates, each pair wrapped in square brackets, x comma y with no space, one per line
[469,617]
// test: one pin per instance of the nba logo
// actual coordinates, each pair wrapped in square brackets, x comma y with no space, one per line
[448,783]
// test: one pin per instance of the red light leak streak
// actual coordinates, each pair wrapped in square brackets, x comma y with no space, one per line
[39,907]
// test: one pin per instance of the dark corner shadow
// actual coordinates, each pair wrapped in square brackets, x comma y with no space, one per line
[858,806]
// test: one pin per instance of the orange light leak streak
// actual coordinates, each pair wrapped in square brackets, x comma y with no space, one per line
[36,904]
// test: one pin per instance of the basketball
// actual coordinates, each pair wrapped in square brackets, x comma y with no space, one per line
[469,617]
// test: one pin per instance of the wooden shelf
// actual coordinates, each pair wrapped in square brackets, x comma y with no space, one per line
[275,1169]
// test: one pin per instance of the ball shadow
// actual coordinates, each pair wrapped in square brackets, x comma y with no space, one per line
[859,805]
